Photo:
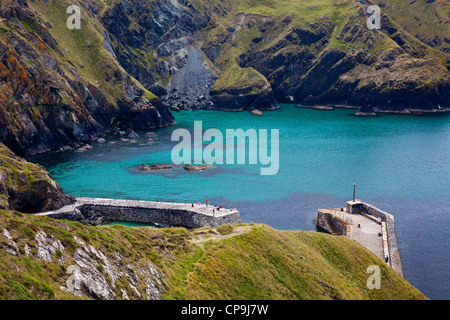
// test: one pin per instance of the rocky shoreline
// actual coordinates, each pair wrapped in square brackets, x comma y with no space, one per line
[237,62]
[167,166]
[374,111]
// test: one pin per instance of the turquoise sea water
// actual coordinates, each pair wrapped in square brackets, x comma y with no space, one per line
[399,163]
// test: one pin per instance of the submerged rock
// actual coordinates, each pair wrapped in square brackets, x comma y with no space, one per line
[153,167]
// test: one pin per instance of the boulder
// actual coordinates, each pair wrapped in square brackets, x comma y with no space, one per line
[133,135]
[153,167]
[151,134]
[200,167]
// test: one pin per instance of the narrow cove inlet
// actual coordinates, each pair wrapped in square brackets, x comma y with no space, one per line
[400,163]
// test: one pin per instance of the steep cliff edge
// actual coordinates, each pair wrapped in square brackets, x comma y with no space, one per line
[42,258]
[27,187]
[132,60]
[61,87]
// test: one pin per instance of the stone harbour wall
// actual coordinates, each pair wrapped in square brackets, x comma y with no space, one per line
[97,214]
[359,207]
[331,223]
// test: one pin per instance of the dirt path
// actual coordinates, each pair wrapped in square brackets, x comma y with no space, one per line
[211,234]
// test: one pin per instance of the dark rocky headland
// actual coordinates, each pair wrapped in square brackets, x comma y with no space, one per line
[133,61]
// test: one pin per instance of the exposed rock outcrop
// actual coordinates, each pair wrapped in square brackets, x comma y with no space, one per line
[47,101]
[28,187]
[90,272]
[200,167]
[133,60]
[153,167]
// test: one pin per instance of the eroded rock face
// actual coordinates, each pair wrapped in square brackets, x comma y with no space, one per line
[90,272]
[96,276]
[10,247]
[38,113]
[47,103]
[48,248]
[28,187]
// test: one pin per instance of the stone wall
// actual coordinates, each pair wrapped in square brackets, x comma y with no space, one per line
[164,217]
[394,254]
[331,223]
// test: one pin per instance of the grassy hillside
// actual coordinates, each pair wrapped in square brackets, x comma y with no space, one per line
[84,49]
[230,262]
[425,20]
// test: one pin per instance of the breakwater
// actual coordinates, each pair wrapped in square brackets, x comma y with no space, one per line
[366,224]
[190,215]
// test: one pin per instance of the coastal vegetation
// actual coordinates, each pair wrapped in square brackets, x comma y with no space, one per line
[238,261]
[26,186]
[62,88]
[131,62]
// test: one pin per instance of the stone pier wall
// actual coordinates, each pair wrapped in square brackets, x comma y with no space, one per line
[162,216]
[359,207]
[331,223]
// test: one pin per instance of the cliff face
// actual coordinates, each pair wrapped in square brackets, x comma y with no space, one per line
[333,61]
[160,44]
[48,101]
[27,187]
[244,55]
[131,60]
[43,258]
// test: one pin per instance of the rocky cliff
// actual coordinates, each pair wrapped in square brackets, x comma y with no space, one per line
[43,258]
[27,187]
[132,60]
[52,96]
[235,55]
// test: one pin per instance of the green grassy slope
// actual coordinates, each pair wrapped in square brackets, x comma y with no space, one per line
[231,262]
[426,20]
[83,48]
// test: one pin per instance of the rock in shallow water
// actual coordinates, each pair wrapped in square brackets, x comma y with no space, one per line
[200,167]
[153,167]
